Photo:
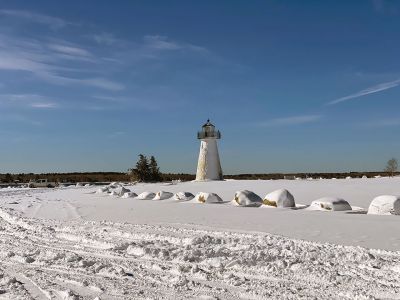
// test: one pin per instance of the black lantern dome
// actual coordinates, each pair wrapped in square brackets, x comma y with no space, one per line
[208,131]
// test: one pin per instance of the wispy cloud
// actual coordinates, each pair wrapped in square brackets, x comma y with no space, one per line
[111,101]
[50,63]
[159,42]
[27,100]
[105,38]
[288,121]
[371,90]
[69,50]
[102,83]
[52,22]
[44,105]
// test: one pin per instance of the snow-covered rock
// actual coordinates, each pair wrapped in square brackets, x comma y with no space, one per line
[207,198]
[330,203]
[385,205]
[146,196]
[101,190]
[183,196]
[129,195]
[279,198]
[79,184]
[114,185]
[162,195]
[120,191]
[247,198]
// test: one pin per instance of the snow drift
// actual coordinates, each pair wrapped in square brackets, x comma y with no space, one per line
[183,196]
[102,190]
[330,204]
[146,196]
[162,195]
[279,198]
[207,198]
[385,205]
[129,195]
[120,191]
[247,198]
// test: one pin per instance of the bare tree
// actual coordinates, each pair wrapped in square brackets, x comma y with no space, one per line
[391,166]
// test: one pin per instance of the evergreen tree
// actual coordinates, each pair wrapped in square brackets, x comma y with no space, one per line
[391,167]
[8,178]
[142,168]
[155,174]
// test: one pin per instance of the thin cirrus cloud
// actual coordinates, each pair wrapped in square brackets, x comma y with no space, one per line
[48,63]
[105,38]
[27,100]
[288,121]
[159,42]
[371,90]
[69,50]
[52,22]
[44,105]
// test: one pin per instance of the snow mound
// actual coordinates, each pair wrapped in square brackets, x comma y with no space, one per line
[114,185]
[279,198]
[161,195]
[207,198]
[146,196]
[385,205]
[330,203]
[129,195]
[183,196]
[364,176]
[119,191]
[102,190]
[348,177]
[247,198]
[79,184]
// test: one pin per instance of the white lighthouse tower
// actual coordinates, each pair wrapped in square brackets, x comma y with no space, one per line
[209,165]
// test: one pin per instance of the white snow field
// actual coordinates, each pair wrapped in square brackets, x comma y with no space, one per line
[74,243]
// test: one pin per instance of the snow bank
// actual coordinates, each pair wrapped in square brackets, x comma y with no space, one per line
[183,196]
[146,196]
[330,203]
[129,195]
[102,190]
[207,198]
[385,205]
[247,198]
[279,198]
[161,195]
[119,191]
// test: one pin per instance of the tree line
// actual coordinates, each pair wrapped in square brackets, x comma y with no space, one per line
[147,170]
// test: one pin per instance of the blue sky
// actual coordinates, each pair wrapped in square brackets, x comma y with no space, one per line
[294,86]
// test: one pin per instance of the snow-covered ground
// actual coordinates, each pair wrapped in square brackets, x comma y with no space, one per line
[73,243]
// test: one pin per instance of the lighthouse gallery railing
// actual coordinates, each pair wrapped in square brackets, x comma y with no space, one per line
[205,134]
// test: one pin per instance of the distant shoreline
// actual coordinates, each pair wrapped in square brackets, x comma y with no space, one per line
[74,177]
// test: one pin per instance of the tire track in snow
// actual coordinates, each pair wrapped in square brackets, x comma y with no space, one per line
[124,261]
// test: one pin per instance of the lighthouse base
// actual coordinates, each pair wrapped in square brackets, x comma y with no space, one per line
[209,165]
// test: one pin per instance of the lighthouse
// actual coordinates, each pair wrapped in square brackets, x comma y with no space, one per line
[209,165]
